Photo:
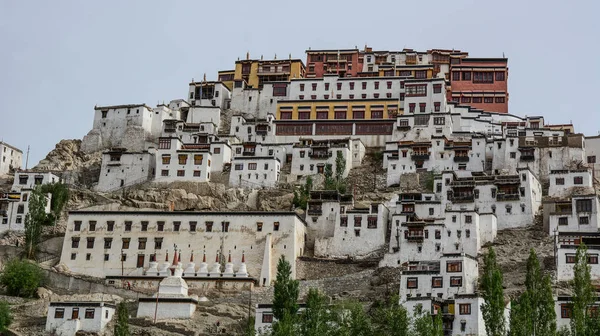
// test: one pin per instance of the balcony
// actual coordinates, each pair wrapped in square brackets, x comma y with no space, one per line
[527,157]
[420,157]
[248,153]
[262,129]
[314,212]
[393,157]
[462,199]
[3,213]
[507,197]
[415,238]
[170,129]
[319,155]
[403,127]
[461,159]
[196,146]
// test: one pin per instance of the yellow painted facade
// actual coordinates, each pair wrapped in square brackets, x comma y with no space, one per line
[256,71]
[226,77]
[389,107]
[411,69]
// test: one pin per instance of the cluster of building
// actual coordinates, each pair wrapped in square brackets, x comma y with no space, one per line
[437,112]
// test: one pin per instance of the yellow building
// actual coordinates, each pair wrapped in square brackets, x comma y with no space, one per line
[226,77]
[257,72]
[359,109]
[416,71]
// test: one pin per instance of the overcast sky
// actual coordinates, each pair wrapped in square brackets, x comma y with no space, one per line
[60,58]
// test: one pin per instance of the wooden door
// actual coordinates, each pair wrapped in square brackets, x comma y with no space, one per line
[75,314]
[140,260]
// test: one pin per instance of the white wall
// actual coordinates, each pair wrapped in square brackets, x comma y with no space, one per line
[9,157]
[265,174]
[65,326]
[122,169]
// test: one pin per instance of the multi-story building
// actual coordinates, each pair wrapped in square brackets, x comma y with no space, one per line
[338,228]
[310,156]
[515,199]
[11,158]
[121,168]
[480,82]
[592,154]
[123,243]
[264,318]
[134,127]
[253,149]
[254,171]
[343,62]
[563,307]
[14,207]
[253,129]
[209,94]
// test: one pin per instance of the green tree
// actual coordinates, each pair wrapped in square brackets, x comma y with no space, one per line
[21,278]
[122,325]
[350,319]
[424,324]
[314,319]
[329,179]
[285,296]
[583,294]
[35,219]
[5,316]
[60,198]
[391,319]
[533,313]
[493,296]
[336,181]
[302,195]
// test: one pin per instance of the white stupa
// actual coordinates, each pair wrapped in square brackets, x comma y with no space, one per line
[215,270]
[203,270]
[190,269]
[242,272]
[152,266]
[172,300]
[164,268]
[228,267]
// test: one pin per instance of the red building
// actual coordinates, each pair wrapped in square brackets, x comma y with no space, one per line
[345,62]
[480,82]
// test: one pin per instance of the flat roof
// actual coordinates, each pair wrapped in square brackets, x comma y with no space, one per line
[2,143]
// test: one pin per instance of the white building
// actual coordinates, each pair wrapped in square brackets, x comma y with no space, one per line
[566,250]
[592,153]
[172,300]
[339,228]
[253,129]
[121,169]
[514,199]
[309,157]
[134,127]
[11,158]
[264,319]
[209,93]
[15,206]
[564,311]
[257,102]
[254,171]
[70,317]
[95,239]
[332,87]
[248,149]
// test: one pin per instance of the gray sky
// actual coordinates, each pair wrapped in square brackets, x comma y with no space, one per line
[60,58]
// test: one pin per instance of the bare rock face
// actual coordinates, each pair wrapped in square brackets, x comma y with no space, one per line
[67,155]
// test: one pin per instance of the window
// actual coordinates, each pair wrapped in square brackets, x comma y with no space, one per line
[563,221]
[464,309]
[252,166]
[437,282]
[466,76]
[176,226]
[158,243]
[513,155]
[182,159]
[476,100]
[89,313]
[59,313]
[436,106]
[389,85]
[259,226]
[411,107]
[357,221]
[465,99]
[437,88]
[468,219]
[125,243]
[438,234]
[344,221]
[402,96]
[570,258]
[144,225]
[455,75]
[500,100]
[314,86]
[128,225]
[164,172]
[416,90]
[209,226]
[225,226]
[439,120]
[164,143]
[160,226]
[483,77]
[193,226]
[372,222]
[267,318]
[198,159]
[500,76]
[75,242]
[197,173]
[584,220]
[420,74]
[578,180]
[107,243]
[592,259]
[73,256]
[412,283]
[422,107]
[340,115]
[453,266]
[279,90]
[456,281]
[77,226]
[358,115]
[565,311]
[560,181]
[286,115]
[351,83]
[376,114]
[21,209]
[584,205]
[301,87]
[239,166]
[431,211]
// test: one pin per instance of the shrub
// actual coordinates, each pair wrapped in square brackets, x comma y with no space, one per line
[21,278]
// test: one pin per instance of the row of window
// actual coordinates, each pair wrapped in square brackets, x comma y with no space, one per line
[144,226]
[479,76]
[351,85]
[181,173]
[578,180]
[59,313]
[486,100]
[371,221]
[592,259]
[183,159]
[340,115]
[583,220]
[351,96]
[436,282]
[90,241]
[251,166]
[420,233]
[423,108]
